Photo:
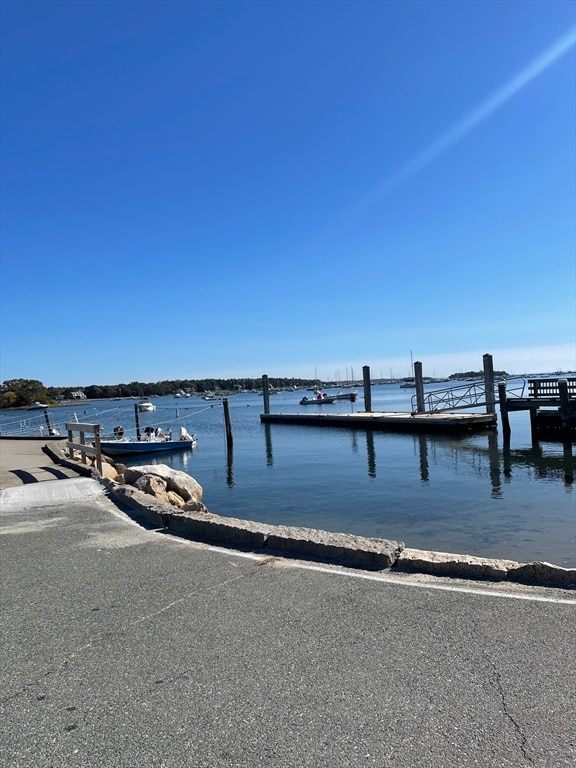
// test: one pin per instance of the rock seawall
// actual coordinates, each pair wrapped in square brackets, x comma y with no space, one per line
[161,497]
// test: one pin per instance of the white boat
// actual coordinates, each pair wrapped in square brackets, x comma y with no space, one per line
[322,399]
[146,405]
[36,406]
[152,440]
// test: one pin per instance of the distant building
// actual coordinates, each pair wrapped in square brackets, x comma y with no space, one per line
[78,395]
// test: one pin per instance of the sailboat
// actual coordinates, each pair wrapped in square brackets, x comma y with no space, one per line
[410,382]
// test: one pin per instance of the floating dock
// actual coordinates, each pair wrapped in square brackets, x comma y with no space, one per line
[447,423]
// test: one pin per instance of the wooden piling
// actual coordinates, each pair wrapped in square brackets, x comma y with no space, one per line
[564,403]
[48,424]
[489,383]
[227,423]
[367,389]
[137,420]
[419,382]
[503,409]
[265,394]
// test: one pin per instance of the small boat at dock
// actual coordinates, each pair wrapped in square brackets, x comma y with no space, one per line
[152,440]
[320,398]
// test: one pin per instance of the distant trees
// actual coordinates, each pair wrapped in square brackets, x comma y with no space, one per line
[19,393]
[476,375]
[15,393]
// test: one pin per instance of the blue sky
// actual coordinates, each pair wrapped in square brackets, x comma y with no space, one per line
[197,189]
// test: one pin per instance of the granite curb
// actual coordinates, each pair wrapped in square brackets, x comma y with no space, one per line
[321,546]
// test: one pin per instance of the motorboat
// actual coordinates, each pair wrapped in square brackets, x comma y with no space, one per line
[36,406]
[145,405]
[320,398]
[152,440]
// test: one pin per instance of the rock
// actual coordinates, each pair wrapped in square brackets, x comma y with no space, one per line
[194,506]
[154,486]
[109,471]
[204,526]
[179,482]
[175,500]
[544,574]
[145,508]
[458,566]
[336,547]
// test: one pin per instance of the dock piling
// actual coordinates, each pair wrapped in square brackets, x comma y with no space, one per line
[265,393]
[503,409]
[227,422]
[367,388]
[48,422]
[419,383]
[489,383]
[564,403]
[137,420]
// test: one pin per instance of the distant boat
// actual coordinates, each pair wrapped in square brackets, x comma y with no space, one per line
[145,405]
[322,399]
[36,406]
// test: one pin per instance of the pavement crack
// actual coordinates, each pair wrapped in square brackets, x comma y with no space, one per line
[508,714]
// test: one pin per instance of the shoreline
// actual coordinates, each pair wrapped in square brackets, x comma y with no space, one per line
[372,554]
[322,546]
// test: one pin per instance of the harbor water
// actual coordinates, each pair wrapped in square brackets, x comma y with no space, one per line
[469,494]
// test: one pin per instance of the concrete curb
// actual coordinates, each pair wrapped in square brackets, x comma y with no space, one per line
[322,546]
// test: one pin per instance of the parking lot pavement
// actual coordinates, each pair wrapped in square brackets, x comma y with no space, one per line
[24,461]
[128,647]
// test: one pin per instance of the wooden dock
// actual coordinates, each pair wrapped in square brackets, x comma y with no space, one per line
[437,423]
[551,403]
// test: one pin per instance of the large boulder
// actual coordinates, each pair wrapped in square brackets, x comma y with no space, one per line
[154,486]
[178,482]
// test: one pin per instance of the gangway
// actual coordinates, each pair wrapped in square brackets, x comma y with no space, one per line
[464,396]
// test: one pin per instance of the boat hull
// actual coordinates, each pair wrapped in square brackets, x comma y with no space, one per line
[118,447]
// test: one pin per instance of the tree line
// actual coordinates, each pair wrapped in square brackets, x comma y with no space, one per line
[19,393]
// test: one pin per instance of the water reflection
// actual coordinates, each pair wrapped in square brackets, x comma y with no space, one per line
[500,463]
[371,453]
[485,460]
[268,439]
[494,462]
[230,465]
[423,453]
[545,466]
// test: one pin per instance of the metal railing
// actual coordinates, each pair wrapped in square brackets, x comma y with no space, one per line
[469,395]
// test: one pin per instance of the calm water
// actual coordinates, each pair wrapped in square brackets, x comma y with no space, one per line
[449,494]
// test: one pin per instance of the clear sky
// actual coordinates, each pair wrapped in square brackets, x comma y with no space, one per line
[198,189]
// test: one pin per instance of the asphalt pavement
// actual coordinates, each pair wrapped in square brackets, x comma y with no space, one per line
[129,647]
[24,461]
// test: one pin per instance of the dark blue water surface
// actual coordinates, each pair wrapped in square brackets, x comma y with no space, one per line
[450,494]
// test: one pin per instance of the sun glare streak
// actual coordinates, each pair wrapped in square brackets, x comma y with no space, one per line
[535,68]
